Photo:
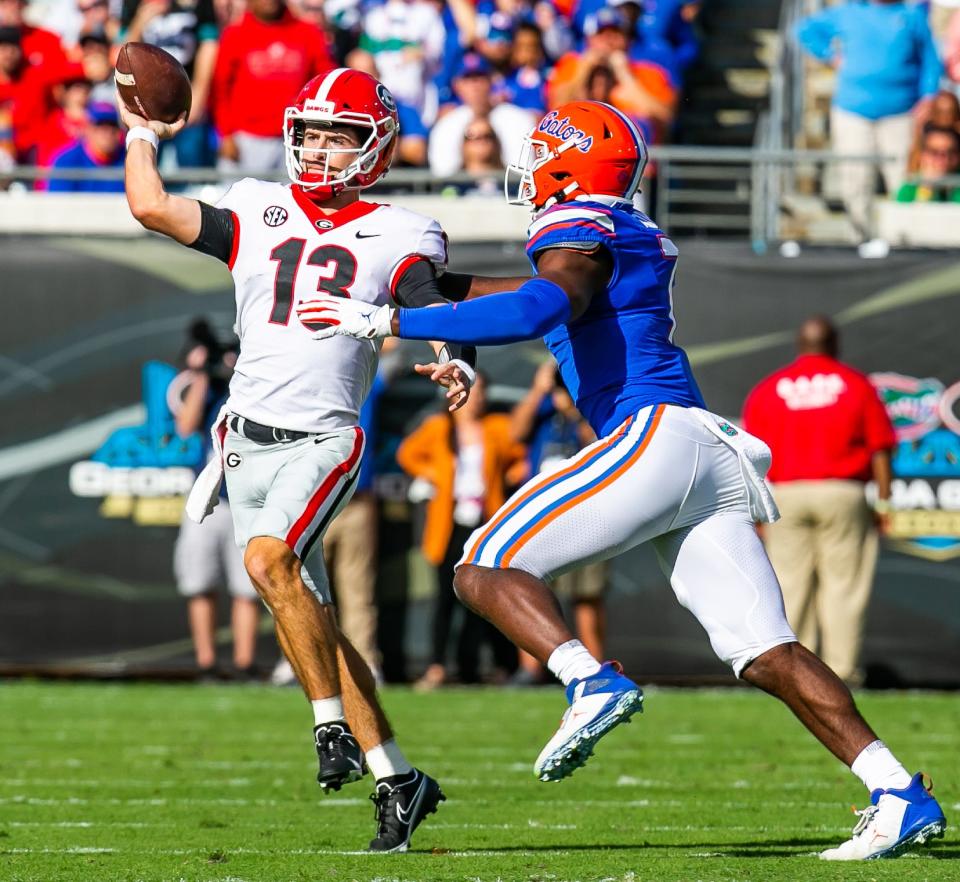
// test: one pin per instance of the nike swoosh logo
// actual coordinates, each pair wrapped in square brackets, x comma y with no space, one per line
[360,235]
[405,815]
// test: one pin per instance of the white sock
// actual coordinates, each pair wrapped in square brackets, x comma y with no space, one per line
[879,769]
[327,710]
[571,661]
[387,759]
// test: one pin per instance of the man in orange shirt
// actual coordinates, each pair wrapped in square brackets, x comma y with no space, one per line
[642,89]
[829,434]
[468,459]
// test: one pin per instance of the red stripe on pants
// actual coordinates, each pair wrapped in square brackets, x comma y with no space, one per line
[324,490]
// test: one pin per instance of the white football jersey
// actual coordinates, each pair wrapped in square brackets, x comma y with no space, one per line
[284,251]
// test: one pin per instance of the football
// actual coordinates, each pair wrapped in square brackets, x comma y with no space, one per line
[152,83]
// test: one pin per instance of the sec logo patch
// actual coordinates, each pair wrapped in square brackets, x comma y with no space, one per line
[233,461]
[275,215]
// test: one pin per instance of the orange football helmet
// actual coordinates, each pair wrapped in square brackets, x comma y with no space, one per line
[584,147]
[342,97]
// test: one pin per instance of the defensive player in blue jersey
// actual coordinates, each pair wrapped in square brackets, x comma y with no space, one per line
[664,469]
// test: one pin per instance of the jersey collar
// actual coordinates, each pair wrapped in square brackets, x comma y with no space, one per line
[602,198]
[325,222]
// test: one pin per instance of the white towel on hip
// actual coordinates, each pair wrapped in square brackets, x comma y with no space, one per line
[755,458]
[205,494]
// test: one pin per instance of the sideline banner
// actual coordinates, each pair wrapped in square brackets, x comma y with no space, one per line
[144,472]
[926,465]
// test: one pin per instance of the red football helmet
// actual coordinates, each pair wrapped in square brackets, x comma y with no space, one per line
[349,98]
[580,148]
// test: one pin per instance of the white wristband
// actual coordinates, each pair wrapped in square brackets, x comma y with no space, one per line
[382,322]
[470,375]
[142,133]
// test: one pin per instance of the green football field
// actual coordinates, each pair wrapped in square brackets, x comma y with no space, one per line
[144,782]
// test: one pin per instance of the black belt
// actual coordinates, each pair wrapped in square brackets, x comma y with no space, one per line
[261,434]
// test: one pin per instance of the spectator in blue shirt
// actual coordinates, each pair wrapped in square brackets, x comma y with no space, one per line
[100,147]
[496,41]
[554,26]
[460,23]
[671,22]
[413,136]
[659,30]
[887,71]
[525,85]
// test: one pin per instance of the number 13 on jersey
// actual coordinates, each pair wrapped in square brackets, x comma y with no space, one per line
[337,268]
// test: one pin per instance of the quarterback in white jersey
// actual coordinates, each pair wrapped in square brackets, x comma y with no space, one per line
[284,242]
[288,441]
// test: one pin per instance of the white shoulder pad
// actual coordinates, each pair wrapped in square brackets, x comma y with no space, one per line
[245,192]
[424,236]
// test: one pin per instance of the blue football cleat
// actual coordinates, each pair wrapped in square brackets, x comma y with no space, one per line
[894,821]
[597,704]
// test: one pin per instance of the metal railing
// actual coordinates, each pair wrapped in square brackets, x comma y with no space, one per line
[761,178]
[409,179]
[788,78]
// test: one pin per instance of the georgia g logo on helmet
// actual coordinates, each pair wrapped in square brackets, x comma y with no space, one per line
[383,93]
[581,148]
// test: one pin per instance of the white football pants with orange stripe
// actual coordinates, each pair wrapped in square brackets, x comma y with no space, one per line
[667,476]
[292,491]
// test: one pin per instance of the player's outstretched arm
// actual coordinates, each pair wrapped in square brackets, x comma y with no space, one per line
[149,202]
[566,282]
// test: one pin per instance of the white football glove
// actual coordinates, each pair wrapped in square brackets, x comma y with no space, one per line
[349,318]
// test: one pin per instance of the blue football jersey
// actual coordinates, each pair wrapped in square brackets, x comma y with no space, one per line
[619,356]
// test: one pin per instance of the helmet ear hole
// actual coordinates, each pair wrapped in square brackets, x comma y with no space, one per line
[559,175]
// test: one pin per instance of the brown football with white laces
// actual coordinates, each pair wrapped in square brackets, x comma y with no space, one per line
[152,83]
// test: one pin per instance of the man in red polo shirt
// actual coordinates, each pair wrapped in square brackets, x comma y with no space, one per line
[829,434]
[263,61]
[40,47]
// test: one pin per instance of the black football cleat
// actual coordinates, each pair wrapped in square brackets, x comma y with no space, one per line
[341,760]
[402,802]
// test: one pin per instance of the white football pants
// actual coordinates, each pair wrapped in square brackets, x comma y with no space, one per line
[662,476]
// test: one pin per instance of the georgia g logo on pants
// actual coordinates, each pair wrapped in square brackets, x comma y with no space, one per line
[233,461]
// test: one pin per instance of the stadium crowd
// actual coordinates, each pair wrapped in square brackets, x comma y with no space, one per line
[470,76]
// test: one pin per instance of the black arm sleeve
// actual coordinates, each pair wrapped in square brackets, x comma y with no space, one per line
[217,230]
[454,286]
[418,287]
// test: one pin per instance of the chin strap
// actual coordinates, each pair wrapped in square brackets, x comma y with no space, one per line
[560,196]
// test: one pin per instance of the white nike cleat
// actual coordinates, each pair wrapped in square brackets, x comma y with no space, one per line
[597,704]
[895,821]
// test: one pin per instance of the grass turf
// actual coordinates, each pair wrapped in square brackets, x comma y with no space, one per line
[144,782]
